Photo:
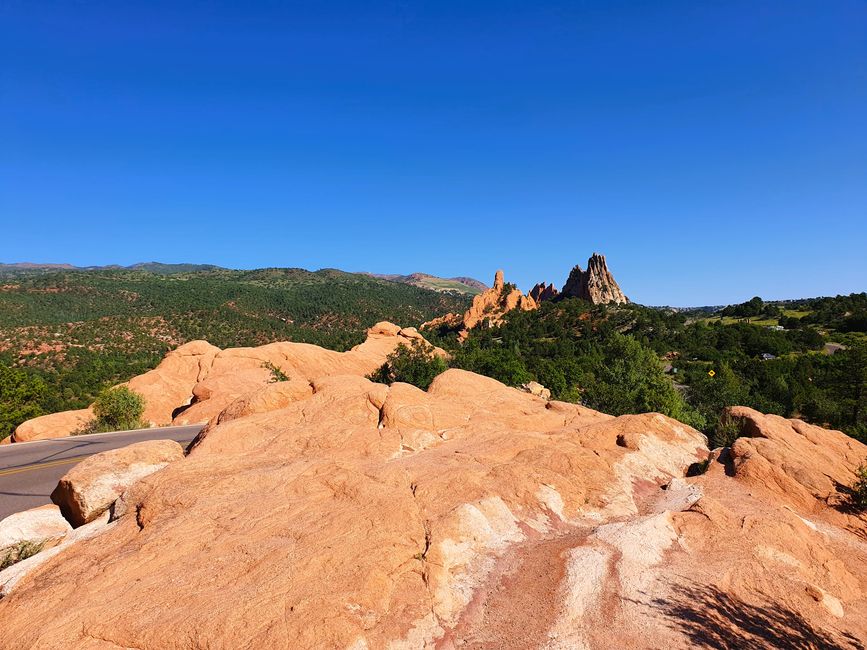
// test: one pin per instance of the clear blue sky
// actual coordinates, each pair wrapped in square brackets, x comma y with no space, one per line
[713,150]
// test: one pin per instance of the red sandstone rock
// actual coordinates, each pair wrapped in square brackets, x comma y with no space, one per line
[195,382]
[596,284]
[54,425]
[43,526]
[471,514]
[89,488]
[541,292]
[489,306]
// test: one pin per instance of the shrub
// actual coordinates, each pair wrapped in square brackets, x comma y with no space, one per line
[118,409]
[416,365]
[727,430]
[859,488]
[18,552]
[501,364]
[276,373]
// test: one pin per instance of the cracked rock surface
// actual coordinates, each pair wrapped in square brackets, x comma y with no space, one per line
[348,514]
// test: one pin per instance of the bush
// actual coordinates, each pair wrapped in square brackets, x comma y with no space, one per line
[727,430]
[496,362]
[416,365]
[118,409]
[18,552]
[277,375]
[859,488]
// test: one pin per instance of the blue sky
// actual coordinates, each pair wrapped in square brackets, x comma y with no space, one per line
[713,150]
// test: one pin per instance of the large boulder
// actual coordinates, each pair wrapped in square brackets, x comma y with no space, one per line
[91,487]
[54,425]
[358,516]
[272,397]
[804,464]
[40,527]
[169,386]
[197,381]
[13,575]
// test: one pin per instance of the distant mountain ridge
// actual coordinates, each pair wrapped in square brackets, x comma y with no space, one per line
[151,267]
[461,284]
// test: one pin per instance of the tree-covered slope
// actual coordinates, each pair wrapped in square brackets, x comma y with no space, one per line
[77,331]
[632,358]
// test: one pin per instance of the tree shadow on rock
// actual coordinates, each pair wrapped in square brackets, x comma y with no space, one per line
[711,618]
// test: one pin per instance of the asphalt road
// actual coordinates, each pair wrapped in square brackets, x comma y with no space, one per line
[29,471]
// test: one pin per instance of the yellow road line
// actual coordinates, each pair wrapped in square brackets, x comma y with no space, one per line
[35,466]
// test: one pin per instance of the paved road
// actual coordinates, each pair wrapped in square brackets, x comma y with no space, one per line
[29,471]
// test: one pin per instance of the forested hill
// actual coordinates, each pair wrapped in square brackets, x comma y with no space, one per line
[66,334]
[805,358]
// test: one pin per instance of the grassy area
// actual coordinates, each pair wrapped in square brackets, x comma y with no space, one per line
[440,284]
[757,320]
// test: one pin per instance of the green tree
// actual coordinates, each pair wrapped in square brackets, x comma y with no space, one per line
[849,386]
[627,377]
[416,364]
[20,395]
[859,488]
[503,364]
[710,395]
[118,409]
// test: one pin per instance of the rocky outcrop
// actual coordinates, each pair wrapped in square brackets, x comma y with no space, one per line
[54,425]
[596,284]
[41,527]
[196,381]
[535,388]
[168,386]
[91,487]
[542,292]
[487,307]
[801,463]
[10,578]
[360,515]
[494,303]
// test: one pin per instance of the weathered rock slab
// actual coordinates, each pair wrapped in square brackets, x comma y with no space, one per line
[89,488]
[43,526]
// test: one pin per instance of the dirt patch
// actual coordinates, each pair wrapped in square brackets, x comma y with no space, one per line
[520,602]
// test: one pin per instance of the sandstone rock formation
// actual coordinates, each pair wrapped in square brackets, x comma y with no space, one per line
[802,464]
[10,578]
[91,487]
[489,306]
[356,515]
[168,386]
[537,389]
[196,381]
[53,425]
[542,292]
[43,527]
[596,284]
[495,302]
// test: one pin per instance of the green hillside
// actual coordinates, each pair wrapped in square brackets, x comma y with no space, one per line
[805,359]
[73,332]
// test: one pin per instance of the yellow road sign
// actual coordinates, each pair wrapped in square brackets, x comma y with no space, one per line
[711,373]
